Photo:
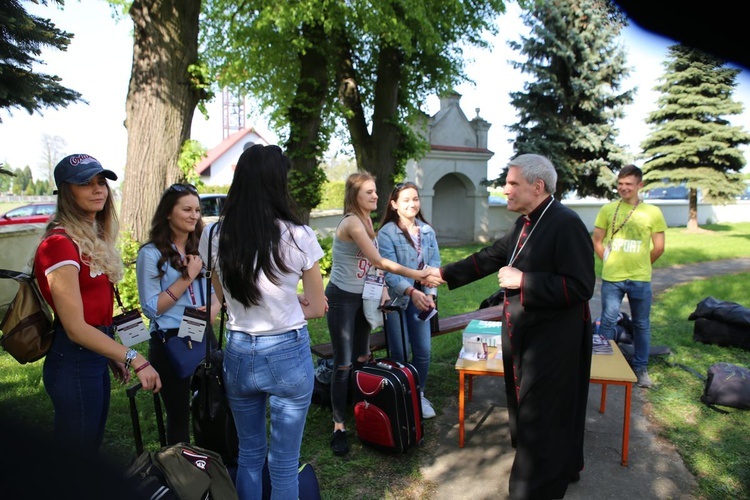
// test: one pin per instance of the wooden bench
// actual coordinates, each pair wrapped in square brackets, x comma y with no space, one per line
[445,325]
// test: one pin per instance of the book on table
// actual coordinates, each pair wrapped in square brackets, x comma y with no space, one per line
[601,345]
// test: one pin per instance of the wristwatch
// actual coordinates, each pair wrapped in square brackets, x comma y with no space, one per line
[129,357]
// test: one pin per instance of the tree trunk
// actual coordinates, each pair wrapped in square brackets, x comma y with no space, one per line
[376,153]
[692,223]
[305,144]
[160,104]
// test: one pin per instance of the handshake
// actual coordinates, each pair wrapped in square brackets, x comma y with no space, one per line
[430,277]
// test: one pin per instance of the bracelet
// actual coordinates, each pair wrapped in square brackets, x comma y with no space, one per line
[171,295]
[144,365]
[411,292]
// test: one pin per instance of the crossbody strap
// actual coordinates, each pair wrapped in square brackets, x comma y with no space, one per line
[209,276]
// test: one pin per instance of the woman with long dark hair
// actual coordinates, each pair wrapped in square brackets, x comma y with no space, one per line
[77,265]
[169,272]
[262,251]
[406,237]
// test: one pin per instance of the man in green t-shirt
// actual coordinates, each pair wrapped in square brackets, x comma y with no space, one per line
[629,237]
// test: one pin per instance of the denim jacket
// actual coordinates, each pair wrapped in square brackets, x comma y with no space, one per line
[394,246]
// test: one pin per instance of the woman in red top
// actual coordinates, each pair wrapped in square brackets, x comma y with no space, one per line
[76,265]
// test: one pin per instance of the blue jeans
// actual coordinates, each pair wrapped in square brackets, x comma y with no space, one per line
[350,339]
[417,337]
[279,369]
[639,296]
[77,381]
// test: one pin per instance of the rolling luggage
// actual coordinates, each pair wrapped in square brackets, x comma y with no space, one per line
[180,471]
[388,409]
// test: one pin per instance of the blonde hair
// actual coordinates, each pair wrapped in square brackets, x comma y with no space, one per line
[96,242]
[353,184]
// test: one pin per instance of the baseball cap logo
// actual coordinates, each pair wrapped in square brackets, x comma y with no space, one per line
[78,159]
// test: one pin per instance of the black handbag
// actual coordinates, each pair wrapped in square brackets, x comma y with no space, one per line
[213,424]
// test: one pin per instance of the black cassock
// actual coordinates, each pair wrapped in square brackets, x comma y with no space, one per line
[546,343]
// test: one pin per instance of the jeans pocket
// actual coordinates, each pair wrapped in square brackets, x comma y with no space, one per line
[288,368]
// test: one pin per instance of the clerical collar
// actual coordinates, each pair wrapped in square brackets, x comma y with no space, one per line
[536,214]
[520,245]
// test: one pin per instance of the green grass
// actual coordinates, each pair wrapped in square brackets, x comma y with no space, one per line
[714,446]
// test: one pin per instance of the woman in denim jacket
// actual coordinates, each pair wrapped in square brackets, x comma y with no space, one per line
[405,237]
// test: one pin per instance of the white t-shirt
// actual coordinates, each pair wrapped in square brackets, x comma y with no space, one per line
[279,310]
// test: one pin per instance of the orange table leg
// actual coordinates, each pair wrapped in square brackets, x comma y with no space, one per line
[603,402]
[461,408]
[626,424]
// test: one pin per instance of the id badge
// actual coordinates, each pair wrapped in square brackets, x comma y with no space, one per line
[130,328]
[606,253]
[374,283]
[193,324]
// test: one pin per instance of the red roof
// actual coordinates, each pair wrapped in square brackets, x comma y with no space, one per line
[217,152]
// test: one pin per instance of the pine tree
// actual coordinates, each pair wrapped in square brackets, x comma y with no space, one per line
[691,141]
[22,37]
[568,108]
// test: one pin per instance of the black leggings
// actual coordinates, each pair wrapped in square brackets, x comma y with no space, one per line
[175,393]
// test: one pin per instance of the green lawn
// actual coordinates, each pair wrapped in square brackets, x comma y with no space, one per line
[713,445]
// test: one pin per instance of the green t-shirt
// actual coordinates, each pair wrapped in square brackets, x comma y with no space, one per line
[628,253]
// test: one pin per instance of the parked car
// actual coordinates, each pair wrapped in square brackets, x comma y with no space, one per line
[35,213]
[667,193]
[211,205]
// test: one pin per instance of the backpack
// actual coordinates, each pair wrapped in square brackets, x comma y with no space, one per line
[27,327]
[727,385]
[182,472]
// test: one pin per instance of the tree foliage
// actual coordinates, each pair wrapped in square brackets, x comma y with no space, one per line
[369,65]
[691,141]
[22,38]
[568,107]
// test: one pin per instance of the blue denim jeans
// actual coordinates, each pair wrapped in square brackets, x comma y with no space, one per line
[276,369]
[417,337]
[77,381]
[639,297]
[350,339]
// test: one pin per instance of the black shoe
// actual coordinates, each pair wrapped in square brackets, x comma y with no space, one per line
[338,443]
[575,478]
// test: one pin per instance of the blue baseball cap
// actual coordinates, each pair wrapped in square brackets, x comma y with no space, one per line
[79,169]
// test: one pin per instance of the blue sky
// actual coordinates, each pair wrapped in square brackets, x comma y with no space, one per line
[98,63]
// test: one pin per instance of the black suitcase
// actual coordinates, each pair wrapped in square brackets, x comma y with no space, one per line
[388,409]
[132,392]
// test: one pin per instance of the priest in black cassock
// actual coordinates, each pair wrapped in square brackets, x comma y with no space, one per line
[546,266]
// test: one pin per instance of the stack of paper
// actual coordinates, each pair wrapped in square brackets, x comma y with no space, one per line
[601,344]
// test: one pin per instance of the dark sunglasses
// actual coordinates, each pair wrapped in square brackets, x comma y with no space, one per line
[402,185]
[182,188]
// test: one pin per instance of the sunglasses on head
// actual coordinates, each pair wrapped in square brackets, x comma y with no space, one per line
[182,188]
[402,185]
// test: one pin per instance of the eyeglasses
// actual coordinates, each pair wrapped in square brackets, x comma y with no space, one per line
[182,188]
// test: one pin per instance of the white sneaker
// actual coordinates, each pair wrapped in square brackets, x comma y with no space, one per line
[427,410]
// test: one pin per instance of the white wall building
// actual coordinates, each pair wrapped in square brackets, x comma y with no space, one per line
[217,169]
[450,175]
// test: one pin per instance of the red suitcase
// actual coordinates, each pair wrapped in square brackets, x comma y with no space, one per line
[388,412]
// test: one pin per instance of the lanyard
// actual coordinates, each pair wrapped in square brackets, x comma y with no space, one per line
[516,249]
[614,217]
